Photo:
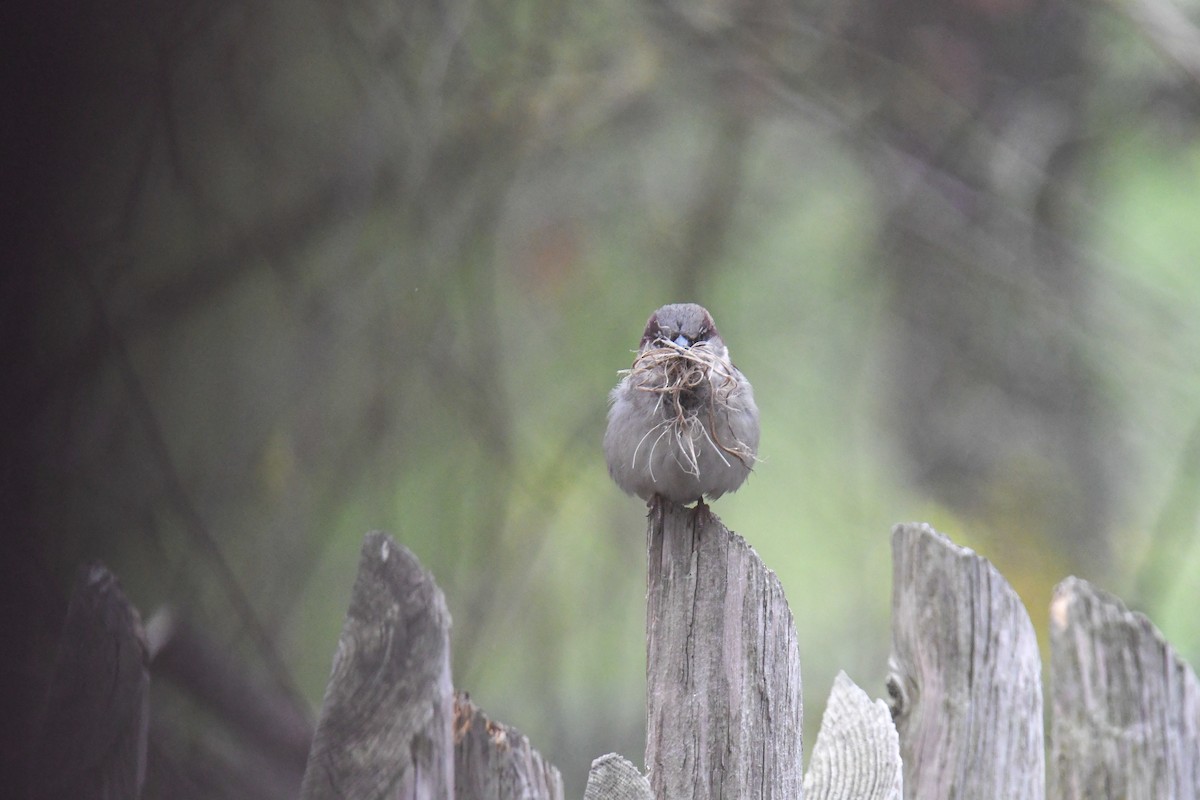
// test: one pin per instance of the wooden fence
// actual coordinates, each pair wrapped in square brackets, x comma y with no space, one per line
[964,718]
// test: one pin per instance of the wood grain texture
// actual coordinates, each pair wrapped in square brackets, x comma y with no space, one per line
[91,741]
[965,675]
[384,728]
[857,755]
[614,777]
[1126,708]
[495,762]
[723,670]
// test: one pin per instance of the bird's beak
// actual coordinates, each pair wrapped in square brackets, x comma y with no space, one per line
[683,341]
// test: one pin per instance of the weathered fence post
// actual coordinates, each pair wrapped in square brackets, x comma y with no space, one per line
[614,777]
[857,755]
[390,725]
[494,762]
[965,675]
[385,724]
[1126,719]
[91,741]
[723,669]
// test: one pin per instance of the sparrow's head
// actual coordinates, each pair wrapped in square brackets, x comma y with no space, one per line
[681,324]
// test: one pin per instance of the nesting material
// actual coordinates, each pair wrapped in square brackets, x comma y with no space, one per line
[693,386]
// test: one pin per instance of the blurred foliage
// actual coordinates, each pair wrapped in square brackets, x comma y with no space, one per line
[289,272]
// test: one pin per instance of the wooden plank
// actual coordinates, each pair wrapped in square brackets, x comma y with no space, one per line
[857,755]
[964,674]
[1126,719]
[723,670]
[614,777]
[384,728]
[495,762]
[91,741]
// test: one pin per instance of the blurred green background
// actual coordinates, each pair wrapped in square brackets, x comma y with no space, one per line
[288,272]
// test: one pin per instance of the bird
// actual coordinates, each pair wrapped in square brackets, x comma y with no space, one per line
[682,422]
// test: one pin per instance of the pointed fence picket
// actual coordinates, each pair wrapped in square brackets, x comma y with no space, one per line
[964,716]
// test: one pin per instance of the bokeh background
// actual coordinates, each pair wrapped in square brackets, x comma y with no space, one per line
[286,272]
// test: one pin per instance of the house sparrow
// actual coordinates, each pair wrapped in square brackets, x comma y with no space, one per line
[682,422]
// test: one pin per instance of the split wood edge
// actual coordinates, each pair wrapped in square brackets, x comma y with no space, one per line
[1126,707]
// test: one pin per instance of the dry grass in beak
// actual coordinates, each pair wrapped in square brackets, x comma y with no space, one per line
[692,384]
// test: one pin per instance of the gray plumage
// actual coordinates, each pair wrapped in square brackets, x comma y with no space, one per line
[682,422]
